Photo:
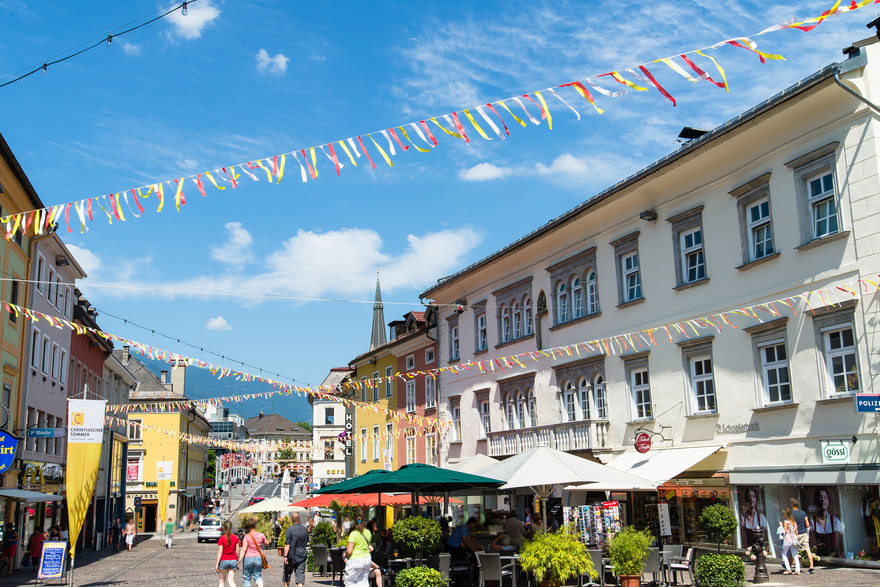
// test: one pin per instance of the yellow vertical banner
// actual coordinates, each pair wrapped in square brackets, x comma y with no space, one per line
[164,473]
[85,432]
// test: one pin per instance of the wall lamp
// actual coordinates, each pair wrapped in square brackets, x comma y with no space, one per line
[648,215]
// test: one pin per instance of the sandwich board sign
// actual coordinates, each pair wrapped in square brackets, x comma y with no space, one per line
[52,560]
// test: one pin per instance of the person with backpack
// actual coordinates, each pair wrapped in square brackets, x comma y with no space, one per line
[296,541]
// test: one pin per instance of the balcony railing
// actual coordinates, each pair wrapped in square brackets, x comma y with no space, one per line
[565,436]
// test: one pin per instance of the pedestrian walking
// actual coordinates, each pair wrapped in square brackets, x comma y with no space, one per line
[790,543]
[115,532]
[296,540]
[129,535]
[803,530]
[182,524]
[10,547]
[359,565]
[227,556]
[169,532]
[251,555]
[35,547]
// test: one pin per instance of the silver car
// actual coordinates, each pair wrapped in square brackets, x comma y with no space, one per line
[209,529]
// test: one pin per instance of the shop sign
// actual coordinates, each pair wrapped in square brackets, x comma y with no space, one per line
[349,426]
[8,448]
[663,516]
[643,442]
[737,428]
[867,402]
[835,451]
[46,432]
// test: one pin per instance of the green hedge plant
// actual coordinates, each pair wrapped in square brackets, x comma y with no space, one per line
[720,570]
[416,535]
[323,533]
[419,577]
[629,551]
[719,521]
[556,557]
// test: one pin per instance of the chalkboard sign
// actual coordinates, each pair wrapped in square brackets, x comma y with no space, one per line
[52,560]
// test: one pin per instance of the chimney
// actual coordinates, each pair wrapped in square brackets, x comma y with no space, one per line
[126,354]
[163,377]
[178,378]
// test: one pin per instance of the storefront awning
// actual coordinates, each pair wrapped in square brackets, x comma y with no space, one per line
[29,496]
[850,474]
[657,466]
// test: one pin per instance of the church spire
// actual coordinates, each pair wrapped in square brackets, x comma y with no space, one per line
[377,338]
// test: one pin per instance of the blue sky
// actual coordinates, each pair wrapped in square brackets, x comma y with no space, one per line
[234,81]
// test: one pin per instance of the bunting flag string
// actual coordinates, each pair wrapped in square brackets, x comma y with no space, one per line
[614,345]
[40,221]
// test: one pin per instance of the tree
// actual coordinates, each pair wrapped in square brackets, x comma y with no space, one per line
[305,425]
[286,456]
[211,466]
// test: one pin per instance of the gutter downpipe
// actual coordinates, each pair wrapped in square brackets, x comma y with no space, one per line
[852,92]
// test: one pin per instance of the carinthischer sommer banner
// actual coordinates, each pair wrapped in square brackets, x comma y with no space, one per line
[85,431]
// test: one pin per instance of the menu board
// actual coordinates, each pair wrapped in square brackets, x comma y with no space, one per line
[52,559]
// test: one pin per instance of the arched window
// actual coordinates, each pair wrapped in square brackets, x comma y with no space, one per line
[517,320]
[521,410]
[562,302]
[584,398]
[505,323]
[599,398]
[577,298]
[592,293]
[527,314]
[533,407]
[509,410]
[569,396]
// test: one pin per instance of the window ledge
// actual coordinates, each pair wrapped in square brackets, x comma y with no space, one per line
[837,398]
[481,352]
[756,262]
[454,442]
[631,303]
[575,321]
[702,416]
[776,408]
[515,340]
[821,241]
[692,284]
[640,422]
[454,361]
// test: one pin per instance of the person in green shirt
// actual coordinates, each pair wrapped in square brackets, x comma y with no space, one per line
[169,532]
[359,565]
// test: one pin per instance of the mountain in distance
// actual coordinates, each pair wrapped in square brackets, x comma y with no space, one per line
[200,384]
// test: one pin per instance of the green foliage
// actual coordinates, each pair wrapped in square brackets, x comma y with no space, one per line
[419,577]
[416,534]
[629,551]
[211,466]
[556,557]
[286,456]
[805,560]
[719,521]
[285,524]
[720,570]
[324,533]
[342,542]
[305,424]
[343,511]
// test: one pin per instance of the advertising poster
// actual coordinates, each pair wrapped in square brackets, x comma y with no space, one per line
[752,518]
[823,508]
[85,432]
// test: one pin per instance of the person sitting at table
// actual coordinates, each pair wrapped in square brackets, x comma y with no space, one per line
[516,531]
[461,542]
[503,544]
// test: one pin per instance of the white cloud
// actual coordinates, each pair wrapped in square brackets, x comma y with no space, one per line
[130,49]
[187,164]
[89,261]
[237,249]
[276,65]
[199,15]
[484,172]
[566,165]
[218,323]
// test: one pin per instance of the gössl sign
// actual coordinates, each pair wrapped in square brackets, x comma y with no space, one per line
[835,451]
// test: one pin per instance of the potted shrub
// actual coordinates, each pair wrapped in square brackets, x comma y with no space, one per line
[416,535]
[629,551]
[323,533]
[282,538]
[719,570]
[556,557]
[419,577]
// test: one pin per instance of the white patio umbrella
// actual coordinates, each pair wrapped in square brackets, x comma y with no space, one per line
[542,467]
[473,464]
[273,505]
[285,485]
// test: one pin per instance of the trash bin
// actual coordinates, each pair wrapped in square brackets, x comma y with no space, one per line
[98,544]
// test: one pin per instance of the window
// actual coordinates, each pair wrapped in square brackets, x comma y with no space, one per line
[517,320]
[375,386]
[823,204]
[40,263]
[577,298]
[377,453]
[59,297]
[62,368]
[456,423]
[703,385]
[13,299]
[692,258]
[32,422]
[584,399]
[533,408]
[134,430]
[632,278]
[329,416]
[410,448]
[592,293]
[453,342]
[364,388]
[389,381]
[505,324]
[562,302]
[482,333]
[599,398]
[755,220]
[55,362]
[410,362]
[430,393]
[429,355]
[389,446]
[818,206]
[840,356]
[46,357]
[363,445]
[760,231]
[527,312]
[521,410]
[774,363]
[431,449]
[641,392]
[509,409]
[50,292]
[569,397]
[35,349]
[485,420]
[411,396]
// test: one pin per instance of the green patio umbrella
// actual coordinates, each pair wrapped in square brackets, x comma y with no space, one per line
[415,478]
[343,486]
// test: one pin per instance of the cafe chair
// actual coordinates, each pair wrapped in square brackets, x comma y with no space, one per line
[681,564]
[653,566]
[320,559]
[441,562]
[337,565]
[586,580]
[491,569]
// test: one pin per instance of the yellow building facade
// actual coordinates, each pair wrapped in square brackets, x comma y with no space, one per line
[375,446]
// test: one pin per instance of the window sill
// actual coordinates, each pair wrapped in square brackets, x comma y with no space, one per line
[575,321]
[757,262]
[692,284]
[702,416]
[776,408]
[514,341]
[837,398]
[821,241]
[481,352]
[455,361]
[631,303]
[640,422]
[454,442]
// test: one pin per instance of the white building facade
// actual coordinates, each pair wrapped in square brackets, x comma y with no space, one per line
[328,424]
[782,200]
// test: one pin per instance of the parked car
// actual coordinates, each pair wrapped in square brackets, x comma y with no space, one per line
[254,500]
[209,529]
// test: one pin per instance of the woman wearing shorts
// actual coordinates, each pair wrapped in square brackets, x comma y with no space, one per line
[251,561]
[227,556]
[10,546]
[129,534]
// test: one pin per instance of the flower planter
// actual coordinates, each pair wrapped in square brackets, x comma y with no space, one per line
[630,580]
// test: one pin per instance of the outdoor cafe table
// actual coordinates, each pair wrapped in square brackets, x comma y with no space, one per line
[514,559]
[400,563]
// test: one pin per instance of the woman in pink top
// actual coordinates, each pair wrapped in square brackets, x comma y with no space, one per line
[251,548]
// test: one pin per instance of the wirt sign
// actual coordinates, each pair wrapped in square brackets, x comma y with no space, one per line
[8,450]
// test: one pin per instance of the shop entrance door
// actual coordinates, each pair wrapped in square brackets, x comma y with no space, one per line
[148,517]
